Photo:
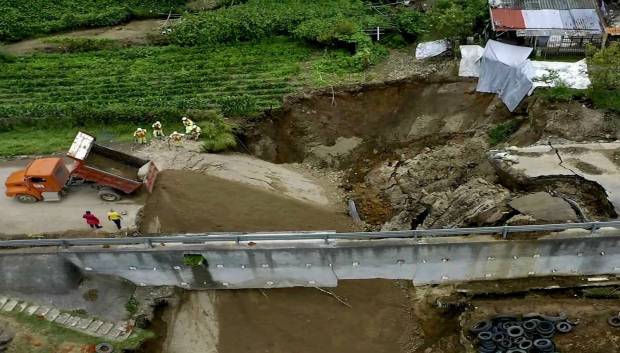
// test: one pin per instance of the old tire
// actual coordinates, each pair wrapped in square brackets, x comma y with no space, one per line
[104,348]
[25,198]
[614,321]
[109,195]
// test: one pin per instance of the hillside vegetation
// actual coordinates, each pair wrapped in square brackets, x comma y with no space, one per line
[21,19]
[239,59]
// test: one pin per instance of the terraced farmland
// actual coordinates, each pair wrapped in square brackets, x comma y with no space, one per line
[142,83]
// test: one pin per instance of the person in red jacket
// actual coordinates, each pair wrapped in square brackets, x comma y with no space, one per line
[91,220]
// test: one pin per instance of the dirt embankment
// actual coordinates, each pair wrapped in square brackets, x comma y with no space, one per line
[188,202]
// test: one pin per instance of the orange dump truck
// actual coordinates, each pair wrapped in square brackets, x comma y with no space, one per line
[113,173]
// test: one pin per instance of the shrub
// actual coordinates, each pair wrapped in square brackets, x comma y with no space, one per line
[320,21]
[132,305]
[7,57]
[411,24]
[604,71]
[501,132]
[455,19]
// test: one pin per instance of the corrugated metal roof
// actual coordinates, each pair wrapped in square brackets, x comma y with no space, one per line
[586,19]
[544,4]
[507,19]
[583,20]
[542,19]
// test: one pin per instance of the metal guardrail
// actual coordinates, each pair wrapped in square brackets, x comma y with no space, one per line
[324,236]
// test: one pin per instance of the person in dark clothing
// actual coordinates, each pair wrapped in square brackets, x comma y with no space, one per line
[91,220]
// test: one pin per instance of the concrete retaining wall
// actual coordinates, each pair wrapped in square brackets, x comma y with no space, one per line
[312,263]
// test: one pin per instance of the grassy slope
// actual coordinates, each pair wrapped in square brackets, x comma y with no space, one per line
[53,337]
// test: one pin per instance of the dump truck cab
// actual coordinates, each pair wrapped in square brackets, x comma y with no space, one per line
[42,180]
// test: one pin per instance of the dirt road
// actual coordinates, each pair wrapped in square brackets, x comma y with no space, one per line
[186,202]
[53,217]
[132,33]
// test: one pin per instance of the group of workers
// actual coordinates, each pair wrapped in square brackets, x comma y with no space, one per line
[192,131]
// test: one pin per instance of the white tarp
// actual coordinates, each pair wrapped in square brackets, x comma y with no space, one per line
[429,49]
[548,73]
[470,60]
[505,70]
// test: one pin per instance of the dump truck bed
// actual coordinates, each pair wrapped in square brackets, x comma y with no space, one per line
[110,168]
[114,162]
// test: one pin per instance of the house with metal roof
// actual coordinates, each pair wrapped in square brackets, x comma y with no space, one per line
[549,26]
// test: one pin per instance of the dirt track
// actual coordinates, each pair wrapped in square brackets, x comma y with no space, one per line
[186,202]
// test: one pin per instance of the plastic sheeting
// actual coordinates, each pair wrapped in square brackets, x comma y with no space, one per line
[470,60]
[505,70]
[547,74]
[429,49]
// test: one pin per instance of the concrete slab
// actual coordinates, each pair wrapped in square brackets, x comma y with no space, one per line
[10,305]
[105,329]
[43,311]
[63,216]
[52,315]
[544,207]
[32,309]
[84,323]
[62,319]
[598,162]
[73,321]
[94,326]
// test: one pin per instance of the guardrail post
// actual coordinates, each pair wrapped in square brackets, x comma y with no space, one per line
[326,238]
[505,232]
[148,243]
[594,227]
[237,240]
[64,244]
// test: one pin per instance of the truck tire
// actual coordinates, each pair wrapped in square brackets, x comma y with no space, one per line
[25,198]
[109,195]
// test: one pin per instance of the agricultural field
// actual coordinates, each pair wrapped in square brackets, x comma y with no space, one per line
[23,19]
[237,60]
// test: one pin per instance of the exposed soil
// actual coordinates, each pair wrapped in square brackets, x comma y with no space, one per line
[109,165]
[131,33]
[306,320]
[185,202]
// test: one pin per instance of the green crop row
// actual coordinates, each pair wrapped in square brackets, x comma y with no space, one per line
[142,84]
[26,18]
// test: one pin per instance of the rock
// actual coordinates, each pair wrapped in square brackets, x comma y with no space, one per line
[521,220]
[476,202]
[542,206]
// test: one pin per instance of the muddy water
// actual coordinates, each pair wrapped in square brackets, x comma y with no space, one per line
[186,202]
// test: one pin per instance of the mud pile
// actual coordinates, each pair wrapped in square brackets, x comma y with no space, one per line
[188,202]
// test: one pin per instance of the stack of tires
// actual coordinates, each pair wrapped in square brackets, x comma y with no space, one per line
[530,333]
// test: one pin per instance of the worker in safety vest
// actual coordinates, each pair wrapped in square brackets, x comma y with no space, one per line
[115,217]
[158,131]
[188,123]
[140,136]
[176,138]
[195,133]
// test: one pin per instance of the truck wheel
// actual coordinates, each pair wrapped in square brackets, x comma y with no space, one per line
[109,195]
[25,198]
